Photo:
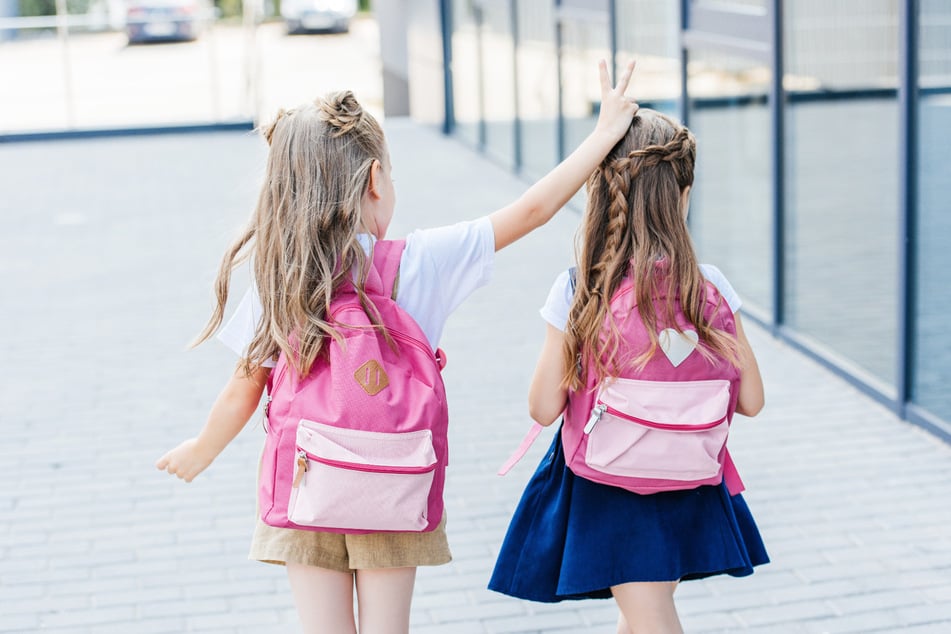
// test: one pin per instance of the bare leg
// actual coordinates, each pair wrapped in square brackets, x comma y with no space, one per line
[324,599]
[384,596]
[622,627]
[647,608]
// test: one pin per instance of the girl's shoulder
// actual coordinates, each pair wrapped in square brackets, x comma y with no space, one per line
[716,277]
[558,303]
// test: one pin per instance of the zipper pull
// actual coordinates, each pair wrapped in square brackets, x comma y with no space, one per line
[596,414]
[266,419]
[301,468]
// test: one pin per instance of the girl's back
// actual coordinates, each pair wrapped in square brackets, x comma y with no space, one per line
[643,349]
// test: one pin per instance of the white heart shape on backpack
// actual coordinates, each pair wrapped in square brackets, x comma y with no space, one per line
[677,345]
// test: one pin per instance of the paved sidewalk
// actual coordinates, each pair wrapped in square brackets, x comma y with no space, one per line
[106,260]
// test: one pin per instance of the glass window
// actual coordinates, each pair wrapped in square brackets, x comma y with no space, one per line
[648,32]
[731,208]
[731,4]
[498,80]
[425,63]
[584,42]
[932,345]
[842,184]
[537,60]
[466,95]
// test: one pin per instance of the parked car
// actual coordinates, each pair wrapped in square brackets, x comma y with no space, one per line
[166,20]
[310,16]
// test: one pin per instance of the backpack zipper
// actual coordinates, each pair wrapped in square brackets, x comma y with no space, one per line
[601,408]
[304,458]
[395,333]
[301,468]
[596,415]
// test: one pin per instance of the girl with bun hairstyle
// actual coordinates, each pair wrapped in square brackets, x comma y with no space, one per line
[327,197]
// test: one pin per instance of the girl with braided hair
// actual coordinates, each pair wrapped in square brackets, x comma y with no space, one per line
[571,537]
[327,197]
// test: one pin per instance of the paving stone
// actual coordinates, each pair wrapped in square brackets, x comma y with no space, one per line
[785,613]
[845,494]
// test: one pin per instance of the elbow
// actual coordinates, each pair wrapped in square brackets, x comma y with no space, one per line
[542,413]
[751,407]
[538,213]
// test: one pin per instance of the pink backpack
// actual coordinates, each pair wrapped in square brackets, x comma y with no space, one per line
[359,445]
[661,428]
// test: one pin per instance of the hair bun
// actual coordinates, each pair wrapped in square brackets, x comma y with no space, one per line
[341,111]
[268,130]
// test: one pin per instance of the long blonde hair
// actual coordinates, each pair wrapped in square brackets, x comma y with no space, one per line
[303,231]
[635,218]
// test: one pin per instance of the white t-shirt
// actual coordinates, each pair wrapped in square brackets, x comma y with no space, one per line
[558,305]
[439,269]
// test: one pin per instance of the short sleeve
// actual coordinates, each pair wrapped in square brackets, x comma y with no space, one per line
[558,304]
[238,331]
[441,267]
[718,279]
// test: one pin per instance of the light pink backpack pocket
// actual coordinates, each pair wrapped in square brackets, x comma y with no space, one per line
[356,479]
[669,432]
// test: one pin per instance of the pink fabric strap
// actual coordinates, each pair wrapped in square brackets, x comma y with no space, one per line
[386,258]
[731,476]
[522,449]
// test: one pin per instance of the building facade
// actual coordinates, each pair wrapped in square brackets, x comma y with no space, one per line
[822,190]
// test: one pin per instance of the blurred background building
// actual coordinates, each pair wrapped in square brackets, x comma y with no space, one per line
[822,190]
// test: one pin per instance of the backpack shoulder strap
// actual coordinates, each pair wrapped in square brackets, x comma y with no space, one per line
[386,261]
[523,448]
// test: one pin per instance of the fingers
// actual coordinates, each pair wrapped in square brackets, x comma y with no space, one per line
[174,467]
[605,79]
[623,81]
[625,78]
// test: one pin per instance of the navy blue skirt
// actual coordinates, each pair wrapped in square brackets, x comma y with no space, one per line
[571,538]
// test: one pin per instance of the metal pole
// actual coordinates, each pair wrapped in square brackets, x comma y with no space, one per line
[777,99]
[62,30]
[517,124]
[612,35]
[445,21]
[908,201]
[683,101]
[477,14]
[560,128]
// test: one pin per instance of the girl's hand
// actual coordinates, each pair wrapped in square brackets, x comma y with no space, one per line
[543,199]
[232,409]
[617,111]
[185,461]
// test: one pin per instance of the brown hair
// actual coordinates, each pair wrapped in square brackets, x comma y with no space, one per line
[635,217]
[303,231]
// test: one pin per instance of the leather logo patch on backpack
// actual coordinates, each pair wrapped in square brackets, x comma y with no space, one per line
[371,377]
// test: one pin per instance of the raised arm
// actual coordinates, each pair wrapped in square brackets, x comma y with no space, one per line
[543,199]
[231,411]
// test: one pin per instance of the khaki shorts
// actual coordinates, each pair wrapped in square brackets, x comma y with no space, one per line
[346,553]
